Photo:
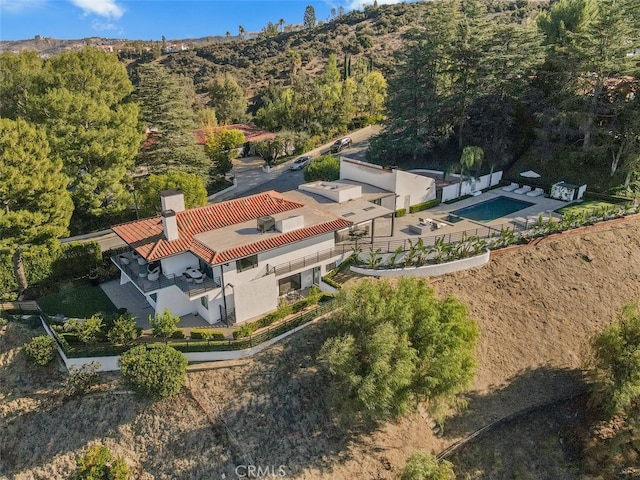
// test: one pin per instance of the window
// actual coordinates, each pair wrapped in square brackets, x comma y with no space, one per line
[330,266]
[205,302]
[247,263]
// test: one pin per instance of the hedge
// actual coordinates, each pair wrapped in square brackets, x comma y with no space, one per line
[418,207]
[51,262]
[401,212]
[206,334]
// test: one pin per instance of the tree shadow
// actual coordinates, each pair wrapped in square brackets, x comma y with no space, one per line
[528,388]
[286,418]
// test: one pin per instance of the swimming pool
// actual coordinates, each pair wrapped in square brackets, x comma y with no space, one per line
[492,209]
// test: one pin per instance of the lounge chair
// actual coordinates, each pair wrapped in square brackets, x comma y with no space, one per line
[510,188]
[153,272]
[522,190]
[535,193]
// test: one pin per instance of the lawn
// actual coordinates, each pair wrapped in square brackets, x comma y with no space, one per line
[77,301]
[586,207]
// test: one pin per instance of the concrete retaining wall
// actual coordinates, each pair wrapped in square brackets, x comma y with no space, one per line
[427,270]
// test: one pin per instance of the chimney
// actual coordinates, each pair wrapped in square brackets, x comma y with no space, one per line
[170,225]
[172,200]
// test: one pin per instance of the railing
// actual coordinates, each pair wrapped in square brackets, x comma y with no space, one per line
[187,345]
[454,237]
[132,270]
[306,261]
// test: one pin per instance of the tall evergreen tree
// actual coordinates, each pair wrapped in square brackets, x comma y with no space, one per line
[227,99]
[309,19]
[166,113]
[91,125]
[35,204]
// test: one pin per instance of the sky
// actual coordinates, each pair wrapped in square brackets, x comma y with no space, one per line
[151,19]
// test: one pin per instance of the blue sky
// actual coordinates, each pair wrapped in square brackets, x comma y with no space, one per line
[151,19]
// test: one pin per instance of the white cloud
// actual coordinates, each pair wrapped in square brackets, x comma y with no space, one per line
[103,8]
[19,6]
[103,26]
[357,4]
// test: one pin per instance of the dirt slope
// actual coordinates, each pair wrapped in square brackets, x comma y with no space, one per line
[536,308]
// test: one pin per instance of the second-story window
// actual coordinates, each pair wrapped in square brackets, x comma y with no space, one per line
[247,263]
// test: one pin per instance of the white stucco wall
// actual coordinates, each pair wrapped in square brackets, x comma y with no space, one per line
[177,264]
[211,314]
[468,186]
[367,173]
[416,187]
[255,298]
[175,300]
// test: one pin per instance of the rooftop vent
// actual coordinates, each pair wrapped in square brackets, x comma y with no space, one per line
[266,224]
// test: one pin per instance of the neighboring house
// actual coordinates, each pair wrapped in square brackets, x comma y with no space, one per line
[251,133]
[409,188]
[231,261]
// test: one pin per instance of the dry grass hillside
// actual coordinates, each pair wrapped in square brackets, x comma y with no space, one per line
[536,307]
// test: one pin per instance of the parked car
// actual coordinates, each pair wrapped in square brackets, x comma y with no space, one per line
[341,144]
[300,163]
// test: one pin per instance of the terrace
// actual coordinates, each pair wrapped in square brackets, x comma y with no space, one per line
[138,274]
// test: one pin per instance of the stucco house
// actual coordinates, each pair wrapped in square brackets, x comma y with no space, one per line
[232,261]
[409,188]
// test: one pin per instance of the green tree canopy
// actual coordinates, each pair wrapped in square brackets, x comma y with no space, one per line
[423,466]
[92,126]
[148,190]
[36,205]
[166,112]
[309,19]
[97,463]
[397,346]
[325,168]
[228,100]
[221,146]
[158,371]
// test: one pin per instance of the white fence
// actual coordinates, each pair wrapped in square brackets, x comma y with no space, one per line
[470,186]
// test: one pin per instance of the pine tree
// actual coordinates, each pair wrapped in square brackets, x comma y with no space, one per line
[91,125]
[227,98]
[35,204]
[167,113]
[309,19]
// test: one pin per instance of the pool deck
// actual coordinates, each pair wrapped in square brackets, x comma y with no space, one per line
[541,205]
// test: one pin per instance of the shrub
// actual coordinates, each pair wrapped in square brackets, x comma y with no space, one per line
[178,334]
[401,212]
[418,207]
[330,281]
[88,330]
[41,349]
[97,463]
[424,466]
[158,371]
[325,168]
[206,334]
[80,380]
[164,324]
[123,330]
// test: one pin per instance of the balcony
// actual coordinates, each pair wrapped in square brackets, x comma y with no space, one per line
[133,270]
[303,262]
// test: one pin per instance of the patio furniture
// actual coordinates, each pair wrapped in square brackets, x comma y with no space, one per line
[522,190]
[153,271]
[124,260]
[510,188]
[535,193]
[194,275]
[419,229]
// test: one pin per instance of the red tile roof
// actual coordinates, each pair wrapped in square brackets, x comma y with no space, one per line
[251,133]
[147,237]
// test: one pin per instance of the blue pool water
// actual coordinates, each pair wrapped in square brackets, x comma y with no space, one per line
[492,209]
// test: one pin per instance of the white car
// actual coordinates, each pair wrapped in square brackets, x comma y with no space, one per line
[300,163]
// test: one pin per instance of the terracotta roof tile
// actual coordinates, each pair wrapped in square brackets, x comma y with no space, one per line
[147,238]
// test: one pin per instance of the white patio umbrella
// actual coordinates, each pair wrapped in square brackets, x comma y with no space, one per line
[530,174]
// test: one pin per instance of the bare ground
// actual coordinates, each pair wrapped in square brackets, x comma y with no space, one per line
[536,308]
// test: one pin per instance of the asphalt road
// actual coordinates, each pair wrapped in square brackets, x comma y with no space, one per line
[251,180]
